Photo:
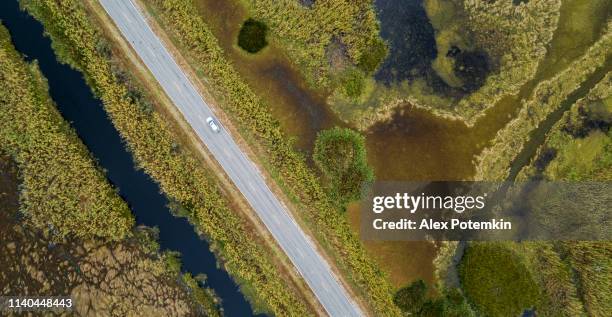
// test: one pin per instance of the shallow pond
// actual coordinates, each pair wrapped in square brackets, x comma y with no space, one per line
[301,111]
[412,44]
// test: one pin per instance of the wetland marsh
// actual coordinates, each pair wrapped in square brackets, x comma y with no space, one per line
[414,144]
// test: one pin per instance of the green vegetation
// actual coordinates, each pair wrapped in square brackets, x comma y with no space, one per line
[413,300]
[554,276]
[326,39]
[448,19]
[181,177]
[578,147]
[251,115]
[63,190]
[541,272]
[592,263]
[582,140]
[252,36]
[204,296]
[77,237]
[486,50]
[514,37]
[573,218]
[578,47]
[305,34]
[372,58]
[341,156]
[352,81]
[574,277]
[496,280]
[494,162]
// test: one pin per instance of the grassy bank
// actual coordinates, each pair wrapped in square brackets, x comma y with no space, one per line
[63,189]
[180,176]
[72,217]
[288,167]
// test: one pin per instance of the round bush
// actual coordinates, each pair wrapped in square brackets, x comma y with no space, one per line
[252,36]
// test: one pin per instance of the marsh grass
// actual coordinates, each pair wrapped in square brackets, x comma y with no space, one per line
[497,281]
[478,52]
[63,189]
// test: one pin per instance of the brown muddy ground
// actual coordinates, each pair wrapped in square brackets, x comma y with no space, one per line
[103,279]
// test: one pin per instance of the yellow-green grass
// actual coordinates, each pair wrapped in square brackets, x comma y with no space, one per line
[63,189]
[583,157]
[494,162]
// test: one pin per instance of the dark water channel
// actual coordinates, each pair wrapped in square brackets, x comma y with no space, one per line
[77,105]
[411,38]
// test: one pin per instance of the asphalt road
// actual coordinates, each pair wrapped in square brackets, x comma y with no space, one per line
[240,169]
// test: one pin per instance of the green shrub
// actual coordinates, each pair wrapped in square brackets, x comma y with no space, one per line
[373,56]
[205,296]
[340,154]
[456,304]
[252,36]
[496,280]
[352,81]
[173,261]
[411,298]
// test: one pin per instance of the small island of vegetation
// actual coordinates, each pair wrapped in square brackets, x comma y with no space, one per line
[341,157]
[252,36]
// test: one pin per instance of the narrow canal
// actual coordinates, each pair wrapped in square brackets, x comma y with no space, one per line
[77,105]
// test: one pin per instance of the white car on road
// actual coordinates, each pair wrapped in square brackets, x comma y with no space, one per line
[213,125]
